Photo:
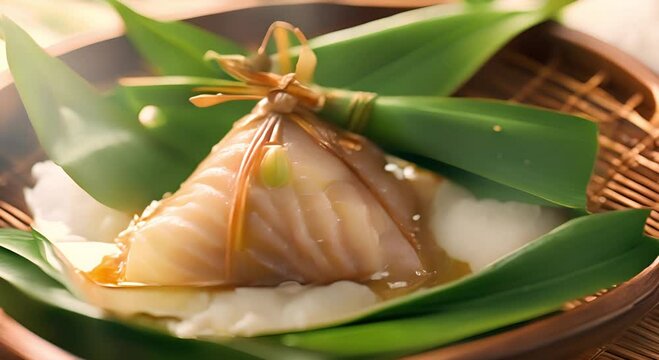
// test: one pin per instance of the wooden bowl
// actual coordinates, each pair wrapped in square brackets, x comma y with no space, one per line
[548,66]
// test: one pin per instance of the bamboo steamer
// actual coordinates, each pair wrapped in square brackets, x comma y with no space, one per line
[548,66]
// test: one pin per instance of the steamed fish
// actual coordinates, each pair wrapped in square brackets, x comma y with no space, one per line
[337,214]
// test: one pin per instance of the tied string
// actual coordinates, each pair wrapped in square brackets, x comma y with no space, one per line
[256,81]
[359,110]
[255,85]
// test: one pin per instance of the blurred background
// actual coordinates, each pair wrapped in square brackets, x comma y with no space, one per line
[632,25]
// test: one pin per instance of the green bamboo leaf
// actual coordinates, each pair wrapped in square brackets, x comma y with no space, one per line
[459,321]
[193,131]
[176,90]
[563,251]
[36,251]
[25,269]
[480,187]
[176,122]
[205,126]
[46,307]
[547,154]
[582,256]
[182,142]
[392,56]
[429,51]
[40,303]
[99,143]
[174,48]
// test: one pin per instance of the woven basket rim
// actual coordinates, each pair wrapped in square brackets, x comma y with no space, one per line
[623,60]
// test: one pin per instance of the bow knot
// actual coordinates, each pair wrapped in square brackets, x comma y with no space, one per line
[256,82]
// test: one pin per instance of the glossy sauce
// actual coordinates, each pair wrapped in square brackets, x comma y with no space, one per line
[438,267]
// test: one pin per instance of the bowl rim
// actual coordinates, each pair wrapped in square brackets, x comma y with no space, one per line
[641,291]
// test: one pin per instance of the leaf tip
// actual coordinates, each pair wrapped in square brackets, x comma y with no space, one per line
[121,8]
[115,3]
[5,22]
[9,29]
[554,6]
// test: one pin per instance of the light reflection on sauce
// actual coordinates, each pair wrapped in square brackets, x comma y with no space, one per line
[110,272]
[439,267]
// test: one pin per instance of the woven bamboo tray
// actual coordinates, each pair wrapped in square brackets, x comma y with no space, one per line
[548,66]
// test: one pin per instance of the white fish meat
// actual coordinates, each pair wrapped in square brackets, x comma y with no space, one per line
[338,218]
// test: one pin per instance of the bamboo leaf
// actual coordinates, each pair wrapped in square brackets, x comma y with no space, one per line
[429,51]
[429,131]
[547,154]
[174,48]
[190,130]
[459,321]
[579,258]
[47,308]
[480,187]
[172,144]
[567,249]
[24,244]
[194,130]
[26,273]
[99,143]
[40,304]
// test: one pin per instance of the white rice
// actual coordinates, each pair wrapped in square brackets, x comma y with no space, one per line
[252,311]
[481,231]
[65,212]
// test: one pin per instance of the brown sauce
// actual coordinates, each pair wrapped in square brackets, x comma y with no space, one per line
[438,267]
[109,271]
